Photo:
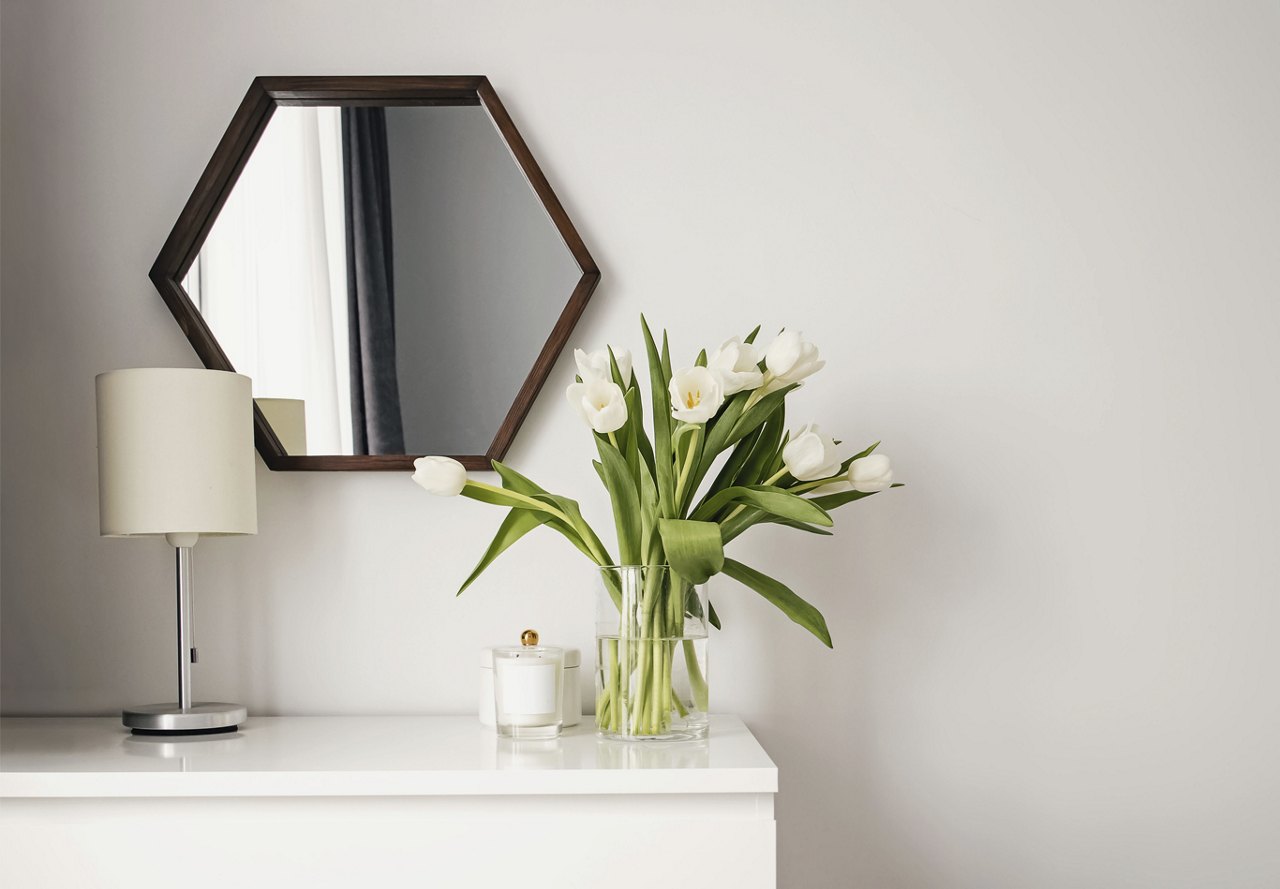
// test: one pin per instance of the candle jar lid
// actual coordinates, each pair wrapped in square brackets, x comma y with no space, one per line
[529,652]
[572,656]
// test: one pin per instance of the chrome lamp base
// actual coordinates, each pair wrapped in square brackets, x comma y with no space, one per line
[184,717]
[197,719]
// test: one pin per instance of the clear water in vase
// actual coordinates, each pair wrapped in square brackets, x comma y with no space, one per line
[651,655]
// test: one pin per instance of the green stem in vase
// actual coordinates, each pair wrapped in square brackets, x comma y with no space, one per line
[655,686]
[680,708]
[697,682]
[667,694]
[615,702]
[640,700]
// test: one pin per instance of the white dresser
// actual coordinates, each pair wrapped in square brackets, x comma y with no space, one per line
[380,801]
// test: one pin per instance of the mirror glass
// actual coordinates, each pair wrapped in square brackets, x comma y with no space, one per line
[385,275]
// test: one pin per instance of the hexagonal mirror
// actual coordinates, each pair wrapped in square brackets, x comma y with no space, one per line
[384,259]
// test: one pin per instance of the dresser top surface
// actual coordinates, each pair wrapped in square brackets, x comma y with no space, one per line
[367,756]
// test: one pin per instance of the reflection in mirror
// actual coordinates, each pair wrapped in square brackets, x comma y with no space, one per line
[386,276]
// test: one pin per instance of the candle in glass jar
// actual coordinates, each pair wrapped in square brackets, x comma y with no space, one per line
[570,696]
[527,691]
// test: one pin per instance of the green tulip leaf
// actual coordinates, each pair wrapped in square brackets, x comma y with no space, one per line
[759,412]
[661,407]
[621,486]
[782,597]
[833,501]
[718,432]
[576,530]
[579,525]
[635,419]
[766,498]
[801,526]
[733,466]
[518,523]
[514,481]
[498,497]
[767,453]
[693,549]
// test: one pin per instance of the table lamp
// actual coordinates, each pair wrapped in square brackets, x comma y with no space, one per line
[176,459]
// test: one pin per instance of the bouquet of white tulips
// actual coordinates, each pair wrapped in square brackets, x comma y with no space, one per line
[677,503]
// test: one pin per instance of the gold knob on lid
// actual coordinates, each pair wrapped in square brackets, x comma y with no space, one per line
[529,637]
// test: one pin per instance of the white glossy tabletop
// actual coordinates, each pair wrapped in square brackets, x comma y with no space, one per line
[367,756]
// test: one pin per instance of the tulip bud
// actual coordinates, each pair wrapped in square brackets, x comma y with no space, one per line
[811,455]
[696,394]
[871,474]
[440,475]
[600,403]
[789,359]
[595,365]
[737,363]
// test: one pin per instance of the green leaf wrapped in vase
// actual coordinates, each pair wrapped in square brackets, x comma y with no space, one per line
[673,517]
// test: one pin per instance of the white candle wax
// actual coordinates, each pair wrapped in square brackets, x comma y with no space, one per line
[527,686]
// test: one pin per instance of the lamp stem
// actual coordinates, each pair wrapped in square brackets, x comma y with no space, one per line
[186,717]
[186,646]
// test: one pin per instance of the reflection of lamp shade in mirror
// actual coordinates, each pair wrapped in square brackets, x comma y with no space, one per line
[288,419]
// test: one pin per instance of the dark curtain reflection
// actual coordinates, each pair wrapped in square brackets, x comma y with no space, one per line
[375,392]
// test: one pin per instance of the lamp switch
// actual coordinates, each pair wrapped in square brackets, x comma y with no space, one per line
[195,655]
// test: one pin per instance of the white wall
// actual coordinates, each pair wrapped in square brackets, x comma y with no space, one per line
[1038,245]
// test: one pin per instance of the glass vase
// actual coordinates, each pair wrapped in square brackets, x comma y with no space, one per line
[651,655]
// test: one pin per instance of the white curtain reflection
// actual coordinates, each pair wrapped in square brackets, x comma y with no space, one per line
[271,280]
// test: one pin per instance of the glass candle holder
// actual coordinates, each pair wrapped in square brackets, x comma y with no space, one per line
[527,683]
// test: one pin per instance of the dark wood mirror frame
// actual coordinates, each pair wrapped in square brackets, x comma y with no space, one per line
[220,176]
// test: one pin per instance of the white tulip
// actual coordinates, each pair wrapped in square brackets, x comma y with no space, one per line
[595,365]
[811,455]
[789,359]
[738,365]
[871,474]
[696,394]
[600,402]
[440,475]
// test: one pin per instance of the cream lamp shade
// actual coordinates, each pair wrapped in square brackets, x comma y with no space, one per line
[175,453]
